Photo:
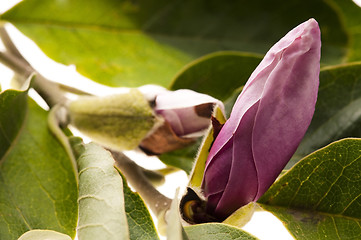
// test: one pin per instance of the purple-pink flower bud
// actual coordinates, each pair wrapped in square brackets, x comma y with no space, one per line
[267,123]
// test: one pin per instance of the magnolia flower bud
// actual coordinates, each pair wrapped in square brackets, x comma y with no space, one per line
[187,115]
[117,121]
[267,123]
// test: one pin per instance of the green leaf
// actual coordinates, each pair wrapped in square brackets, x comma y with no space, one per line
[319,197]
[182,158]
[43,235]
[37,182]
[101,200]
[131,43]
[216,231]
[217,74]
[140,222]
[338,112]
[350,13]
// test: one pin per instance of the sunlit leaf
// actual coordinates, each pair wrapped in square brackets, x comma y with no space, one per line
[130,43]
[37,182]
[43,235]
[319,198]
[216,231]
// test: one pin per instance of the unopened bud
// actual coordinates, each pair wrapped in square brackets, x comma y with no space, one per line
[118,121]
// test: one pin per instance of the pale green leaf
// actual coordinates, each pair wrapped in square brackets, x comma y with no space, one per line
[101,200]
[131,43]
[217,231]
[38,234]
[320,197]
[37,183]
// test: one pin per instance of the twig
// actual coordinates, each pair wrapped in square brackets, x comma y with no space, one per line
[8,43]
[157,202]
[48,90]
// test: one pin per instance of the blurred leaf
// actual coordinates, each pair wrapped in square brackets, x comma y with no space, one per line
[37,183]
[101,200]
[350,13]
[338,108]
[182,158]
[140,222]
[319,198]
[217,74]
[216,231]
[131,43]
[38,234]
[229,102]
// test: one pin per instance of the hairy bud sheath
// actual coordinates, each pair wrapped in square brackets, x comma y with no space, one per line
[267,123]
[118,121]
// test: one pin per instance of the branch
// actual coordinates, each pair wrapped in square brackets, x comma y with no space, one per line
[157,202]
[12,58]
[48,90]
[8,43]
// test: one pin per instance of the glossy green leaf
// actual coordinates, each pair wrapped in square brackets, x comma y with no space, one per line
[101,199]
[37,182]
[338,108]
[319,198]
[131,43]
[217,74]
[217,231]
[38,234]
[141,225]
